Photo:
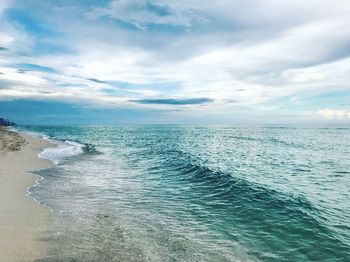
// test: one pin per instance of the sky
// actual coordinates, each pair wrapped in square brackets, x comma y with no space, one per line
[175,62]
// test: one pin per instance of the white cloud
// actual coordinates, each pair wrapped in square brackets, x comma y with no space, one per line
[6,40]
[333,113]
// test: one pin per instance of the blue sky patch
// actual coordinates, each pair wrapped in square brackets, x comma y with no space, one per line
[33,67]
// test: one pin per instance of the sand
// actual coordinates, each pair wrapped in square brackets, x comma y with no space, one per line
[24,223]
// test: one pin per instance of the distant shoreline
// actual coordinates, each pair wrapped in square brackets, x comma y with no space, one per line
[24,223]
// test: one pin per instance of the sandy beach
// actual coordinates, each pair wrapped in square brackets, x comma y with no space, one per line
[24,223]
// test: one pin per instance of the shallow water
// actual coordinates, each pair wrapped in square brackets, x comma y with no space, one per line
[172,193]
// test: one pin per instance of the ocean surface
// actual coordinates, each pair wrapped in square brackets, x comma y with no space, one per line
[176,193]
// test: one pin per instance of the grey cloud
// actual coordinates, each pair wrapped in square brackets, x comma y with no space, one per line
[44,92]
[97,81]
[144,14]
[230,101]
[171,101]
[4,83]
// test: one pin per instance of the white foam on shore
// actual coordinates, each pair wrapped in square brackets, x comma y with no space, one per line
[62,151]
[29,194]
[55,154]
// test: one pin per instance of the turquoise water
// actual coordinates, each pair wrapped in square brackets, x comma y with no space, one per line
[172,193]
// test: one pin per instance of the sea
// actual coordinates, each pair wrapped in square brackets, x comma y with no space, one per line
[196,193]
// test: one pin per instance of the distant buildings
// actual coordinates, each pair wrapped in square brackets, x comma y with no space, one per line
[6,122]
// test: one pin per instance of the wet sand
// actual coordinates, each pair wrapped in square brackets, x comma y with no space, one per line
[24,223]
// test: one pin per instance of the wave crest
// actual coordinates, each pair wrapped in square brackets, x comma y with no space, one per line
[62,151]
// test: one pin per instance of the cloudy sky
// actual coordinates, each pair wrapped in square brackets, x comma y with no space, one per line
[191,62]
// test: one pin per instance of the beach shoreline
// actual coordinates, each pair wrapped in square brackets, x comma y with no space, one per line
[24,223]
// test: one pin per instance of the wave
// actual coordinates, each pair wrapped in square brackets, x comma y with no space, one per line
[62,151]
[223,191]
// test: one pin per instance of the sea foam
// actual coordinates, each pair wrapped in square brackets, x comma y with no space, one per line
[62,151]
